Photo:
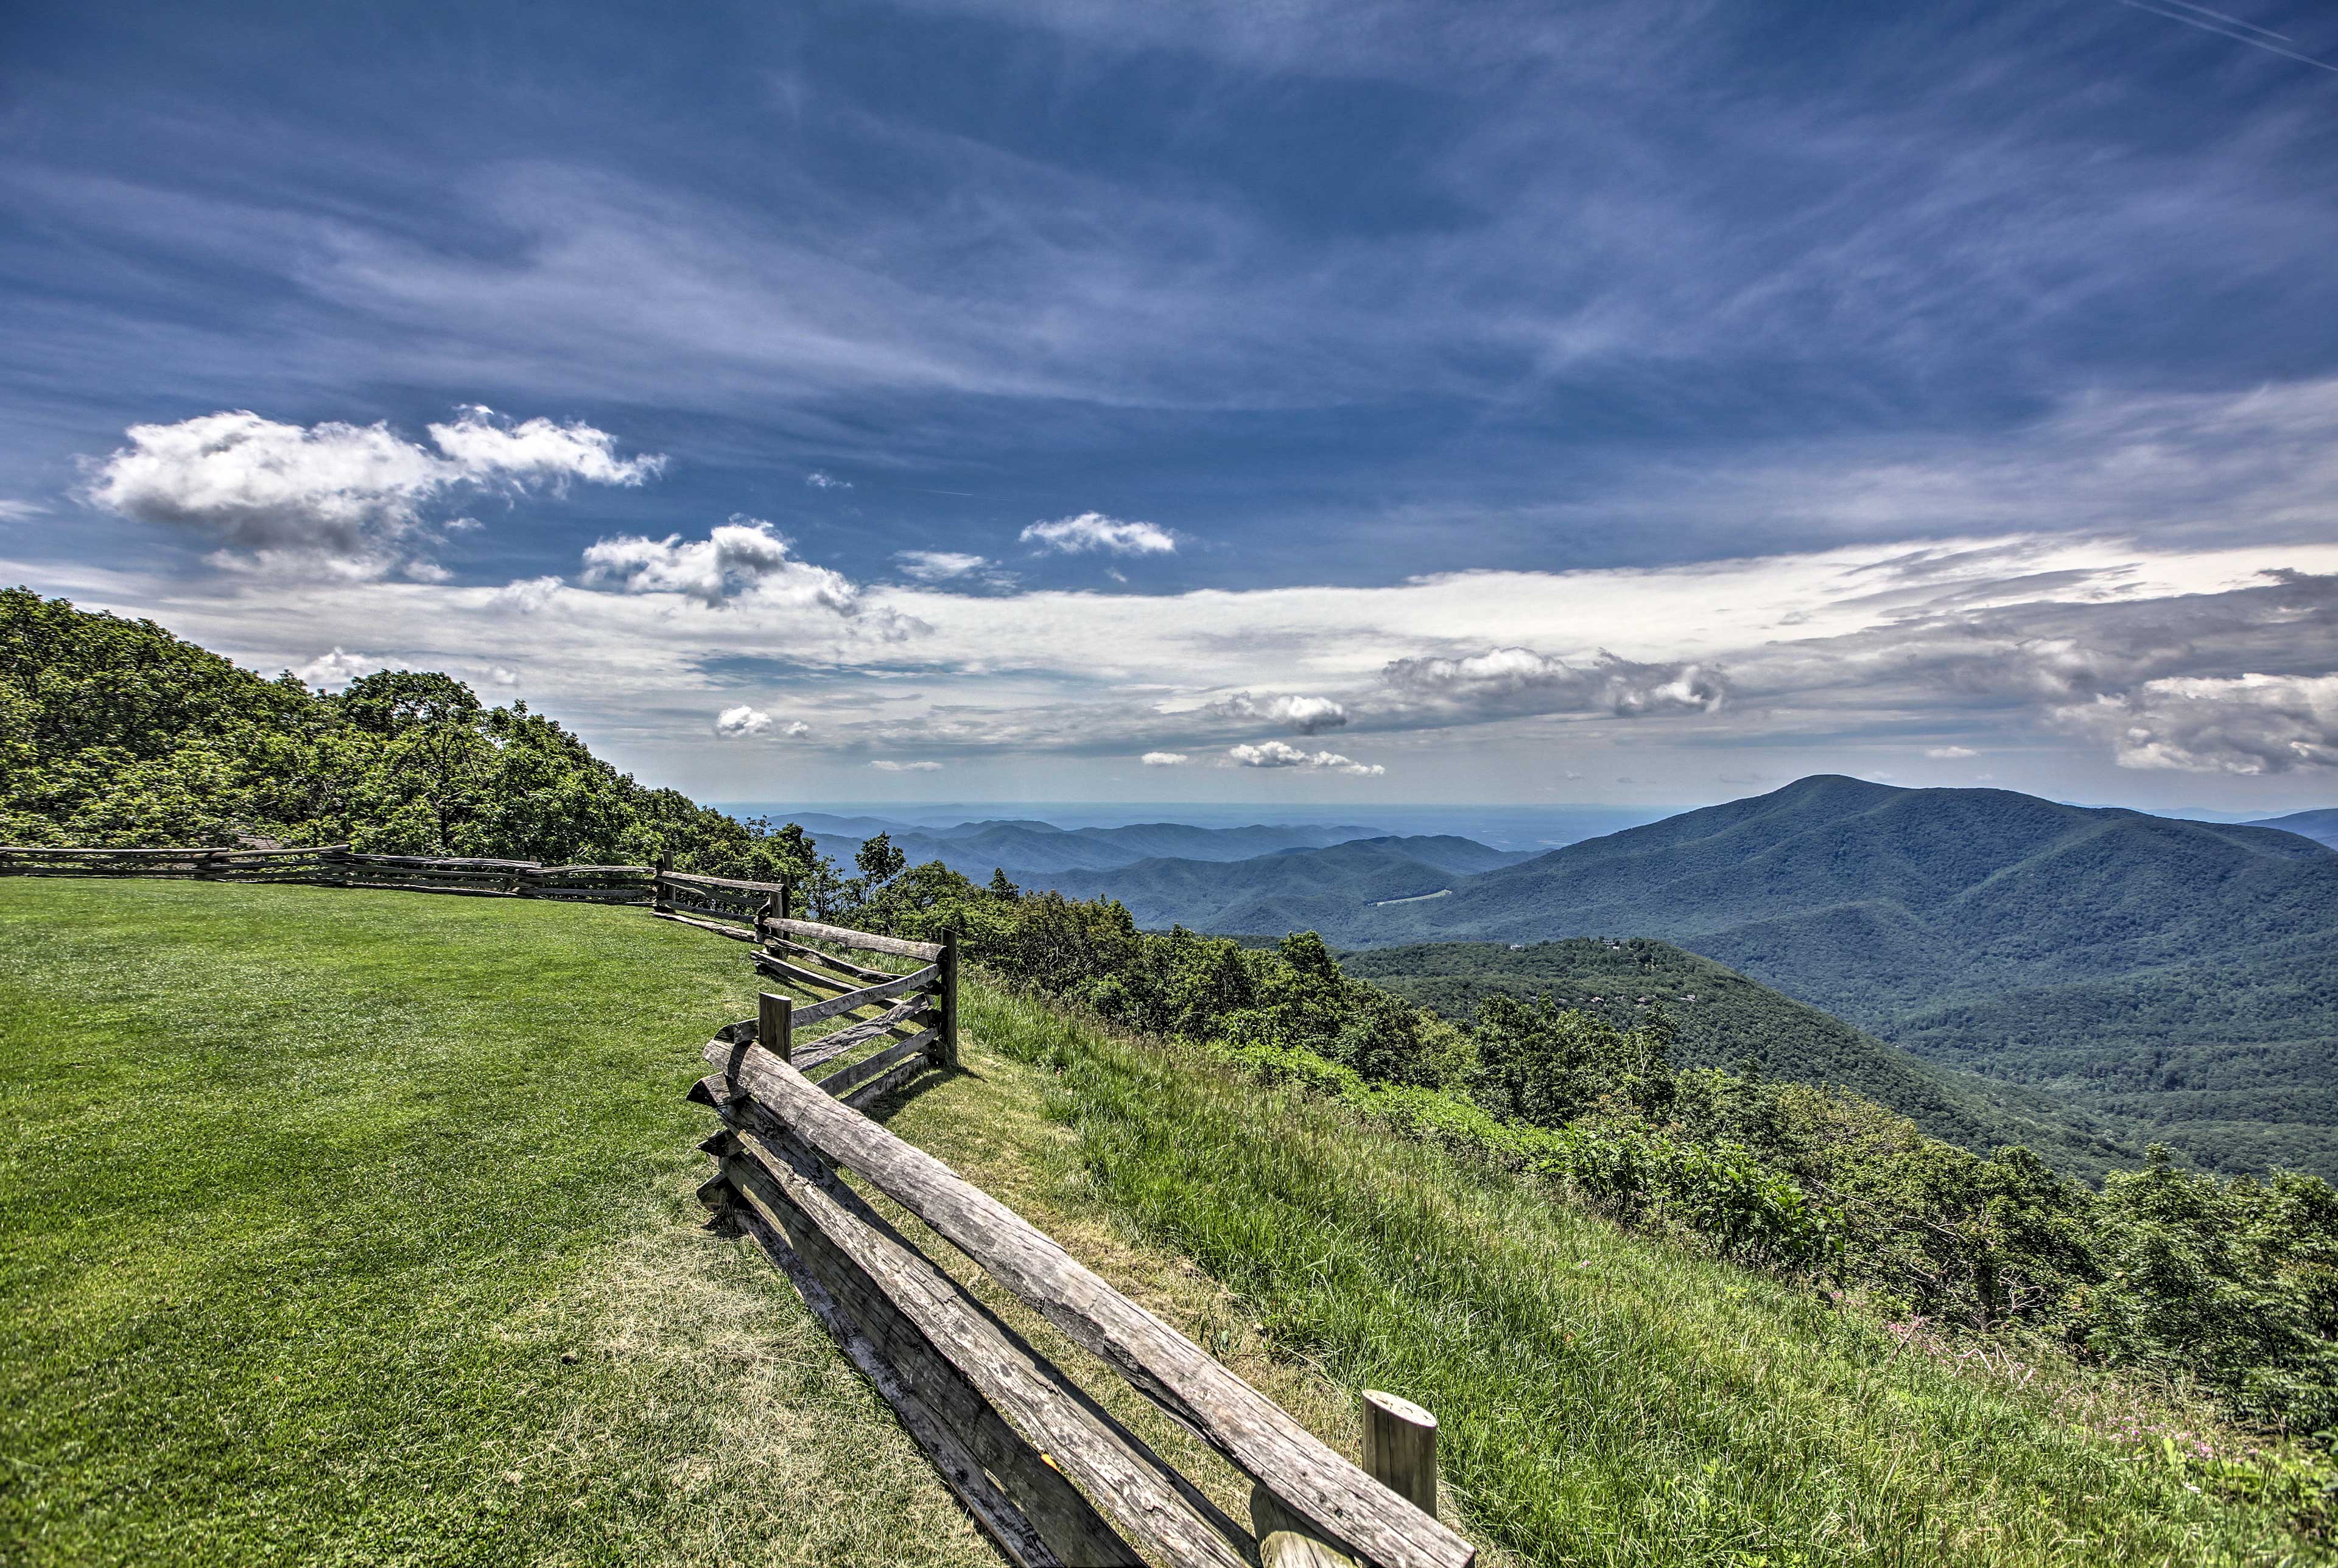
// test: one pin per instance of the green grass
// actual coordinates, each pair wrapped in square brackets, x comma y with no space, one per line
[310,1195]
[1606,1398]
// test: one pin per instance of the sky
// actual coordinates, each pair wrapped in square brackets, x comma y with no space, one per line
[995,401]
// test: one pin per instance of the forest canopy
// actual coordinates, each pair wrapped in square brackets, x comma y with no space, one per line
[116,732]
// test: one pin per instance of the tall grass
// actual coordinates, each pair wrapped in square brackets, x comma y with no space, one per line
[1606,1398]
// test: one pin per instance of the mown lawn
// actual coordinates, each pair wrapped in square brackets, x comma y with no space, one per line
[349,1227]
[355,1228]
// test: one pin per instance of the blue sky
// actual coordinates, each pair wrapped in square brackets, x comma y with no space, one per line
[1352,403]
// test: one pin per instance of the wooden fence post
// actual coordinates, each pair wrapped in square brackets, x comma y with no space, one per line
[1401,1448]
[775,1026]
[787,900]
[948,1054]
[658,900]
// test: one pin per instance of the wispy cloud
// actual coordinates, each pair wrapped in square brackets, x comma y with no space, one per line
[1093,531]
[939,565]
[886,765]
[2231,27]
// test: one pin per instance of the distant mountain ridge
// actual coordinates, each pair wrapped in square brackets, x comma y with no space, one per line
[2322,825]
[1292,889]
[1028,849]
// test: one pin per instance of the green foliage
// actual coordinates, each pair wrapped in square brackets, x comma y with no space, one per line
[1604,1398]
[2227,1287]
[116,732]
[1722,1018]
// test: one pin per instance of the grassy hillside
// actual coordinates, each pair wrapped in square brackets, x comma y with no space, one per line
[314,1194]
[2181,973]
[1724,1018]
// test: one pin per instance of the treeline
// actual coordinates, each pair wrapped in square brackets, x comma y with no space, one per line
[115,733]
[2224,1286]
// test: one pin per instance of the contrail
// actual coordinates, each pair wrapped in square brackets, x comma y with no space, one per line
[2225,26]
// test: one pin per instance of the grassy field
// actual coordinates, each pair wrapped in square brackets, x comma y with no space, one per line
[355,1228]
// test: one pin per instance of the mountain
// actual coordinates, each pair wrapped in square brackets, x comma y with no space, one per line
[2322,825]
[1293,890]
[2180,974]
[1032,851]
[1723,1018]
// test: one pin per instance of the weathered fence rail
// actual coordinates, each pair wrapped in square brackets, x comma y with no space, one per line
[1050,1474]
[1045,1470]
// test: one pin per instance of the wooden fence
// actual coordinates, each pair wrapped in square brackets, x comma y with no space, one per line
[1052,1478]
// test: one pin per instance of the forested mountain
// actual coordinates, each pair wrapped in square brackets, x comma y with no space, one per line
[2180,974]
[1724,1019]
[2322,825]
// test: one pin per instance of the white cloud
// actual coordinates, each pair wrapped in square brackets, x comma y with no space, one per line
[503,675]
[884,766]
[1165,759]
[1306,715]
[2249,724]
[482,446]
[734,723]
[1280,754]
[742,556]
[819,480]
[351,496]
[18,511]
[1950,753]
[939,565]
[1094,531]
[1521,679]
[331,672]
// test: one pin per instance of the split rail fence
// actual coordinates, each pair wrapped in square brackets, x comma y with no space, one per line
[1048,1474]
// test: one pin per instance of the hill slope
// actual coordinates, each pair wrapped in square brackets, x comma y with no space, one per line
[2322,825]
[2181,973]
[1723,1018]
